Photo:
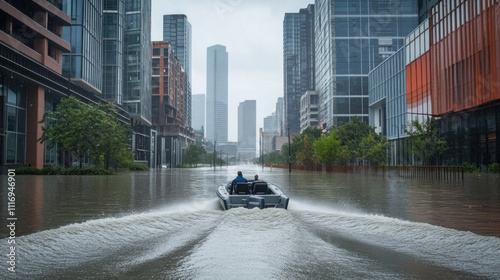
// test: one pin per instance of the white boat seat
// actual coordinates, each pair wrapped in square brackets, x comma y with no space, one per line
[260,188]
[241,188]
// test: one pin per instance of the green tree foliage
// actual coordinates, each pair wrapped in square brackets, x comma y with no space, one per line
[425,141]
[305,153]
[273,158]
[194,154]
[327,149]
[301,147]
[374,151]
[88,130]
[361,143]
[112,138]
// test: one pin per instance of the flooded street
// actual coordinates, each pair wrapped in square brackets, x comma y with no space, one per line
[168,224]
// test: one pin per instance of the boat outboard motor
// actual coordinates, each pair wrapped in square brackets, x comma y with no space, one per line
[255,201]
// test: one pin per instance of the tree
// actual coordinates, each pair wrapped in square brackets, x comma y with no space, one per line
[84,129]
[327,149]
[373,151]
[194,155]
[301,147]
[305,154]
[351,134]
[424,140]
[69,127]
[112,138]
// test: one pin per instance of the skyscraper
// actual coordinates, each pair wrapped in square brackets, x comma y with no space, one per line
[352,37]
[247,133]
[298,63]
[167,101]
[198,114]
[137,97]
[217,94]
[177,31]
[112,49]
[83,65]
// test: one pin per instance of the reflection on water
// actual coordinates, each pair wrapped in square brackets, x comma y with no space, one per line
[168,224]
[51,201]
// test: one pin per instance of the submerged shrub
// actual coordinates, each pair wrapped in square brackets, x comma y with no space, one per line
[470,167]
[494,168]
[138,167]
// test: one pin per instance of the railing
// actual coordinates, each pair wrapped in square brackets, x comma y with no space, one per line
[425,172]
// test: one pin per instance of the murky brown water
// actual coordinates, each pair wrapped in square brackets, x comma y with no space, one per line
[168,224]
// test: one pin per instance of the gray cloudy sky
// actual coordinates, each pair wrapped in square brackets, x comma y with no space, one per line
[252,31]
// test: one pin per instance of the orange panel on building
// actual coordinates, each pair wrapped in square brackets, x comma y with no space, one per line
[464,64]
[417,85]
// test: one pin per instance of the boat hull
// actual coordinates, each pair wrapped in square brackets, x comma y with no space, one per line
[273,198]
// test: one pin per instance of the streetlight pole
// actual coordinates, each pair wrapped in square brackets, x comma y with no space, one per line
[215,153]
[397,144]
[289,154]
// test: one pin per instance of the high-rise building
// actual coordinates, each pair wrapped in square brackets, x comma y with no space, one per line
[270,123]
[445,72]
[83,65]
[298,63]
[137,86]
[308,110]
[137,97]
[177,31]
[280,116]
[167,102]
[217,94]
[31,75]
[352,37]
[247,133]
[198,114]
[112,49]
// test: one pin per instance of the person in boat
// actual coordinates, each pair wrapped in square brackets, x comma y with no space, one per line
[256,177]
[238,179]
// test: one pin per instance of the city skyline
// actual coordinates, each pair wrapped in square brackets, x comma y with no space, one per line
[256,64]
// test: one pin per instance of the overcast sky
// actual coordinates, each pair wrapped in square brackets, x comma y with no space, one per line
[252,31]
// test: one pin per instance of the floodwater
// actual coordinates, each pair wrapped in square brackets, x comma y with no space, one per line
[168,224]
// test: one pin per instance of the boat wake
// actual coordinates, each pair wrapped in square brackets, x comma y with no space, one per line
[199,240]
[456,250]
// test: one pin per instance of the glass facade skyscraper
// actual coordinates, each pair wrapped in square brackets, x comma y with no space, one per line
[298,63]
[83,65]
[353,37]
[137,63]
[112,49]
[177,31]
[137,78]
[217,94]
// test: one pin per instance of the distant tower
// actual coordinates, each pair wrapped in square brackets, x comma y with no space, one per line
[247,130]
[177,31]
[198,114]
[217,94]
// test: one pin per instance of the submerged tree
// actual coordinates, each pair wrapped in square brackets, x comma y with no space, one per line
[194,155]
[425,141]
[83,129]
[360,143]
[327,149]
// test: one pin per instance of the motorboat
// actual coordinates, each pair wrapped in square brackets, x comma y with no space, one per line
[252,194]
